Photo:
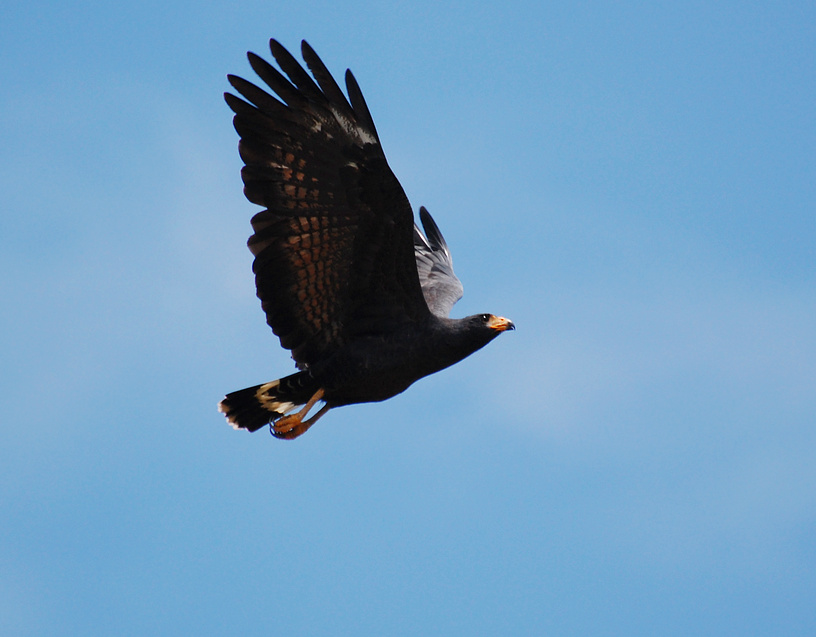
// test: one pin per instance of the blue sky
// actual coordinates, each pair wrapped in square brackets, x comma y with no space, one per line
[633,183]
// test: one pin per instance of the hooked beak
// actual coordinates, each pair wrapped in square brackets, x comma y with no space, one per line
[501,324]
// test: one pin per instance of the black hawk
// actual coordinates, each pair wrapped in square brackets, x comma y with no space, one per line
[348,282]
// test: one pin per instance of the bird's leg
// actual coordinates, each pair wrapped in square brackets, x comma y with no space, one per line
[301,428]
[292,426]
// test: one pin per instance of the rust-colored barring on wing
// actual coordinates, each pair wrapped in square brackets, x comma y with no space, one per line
[333,250]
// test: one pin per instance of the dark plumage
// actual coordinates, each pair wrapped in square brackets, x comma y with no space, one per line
[348,282]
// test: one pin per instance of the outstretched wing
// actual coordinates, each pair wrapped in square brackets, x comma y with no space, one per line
[334,257]
[440,286]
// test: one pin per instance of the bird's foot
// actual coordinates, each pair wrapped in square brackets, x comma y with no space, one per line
[293,425]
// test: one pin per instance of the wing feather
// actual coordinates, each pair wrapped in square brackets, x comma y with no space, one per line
[299,77]
[276,81]
[359,104]
[334,255]
[327,84]
[440,286]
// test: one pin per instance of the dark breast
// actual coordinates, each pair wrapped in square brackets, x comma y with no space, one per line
[376,368]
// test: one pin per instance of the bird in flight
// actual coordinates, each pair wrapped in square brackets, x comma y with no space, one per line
[348,282]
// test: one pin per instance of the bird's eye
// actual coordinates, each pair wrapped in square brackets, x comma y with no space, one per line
[485,317]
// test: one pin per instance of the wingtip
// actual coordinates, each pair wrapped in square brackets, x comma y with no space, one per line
[424,215]
[432,231]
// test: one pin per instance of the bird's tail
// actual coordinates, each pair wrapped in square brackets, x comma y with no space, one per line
[255,407]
